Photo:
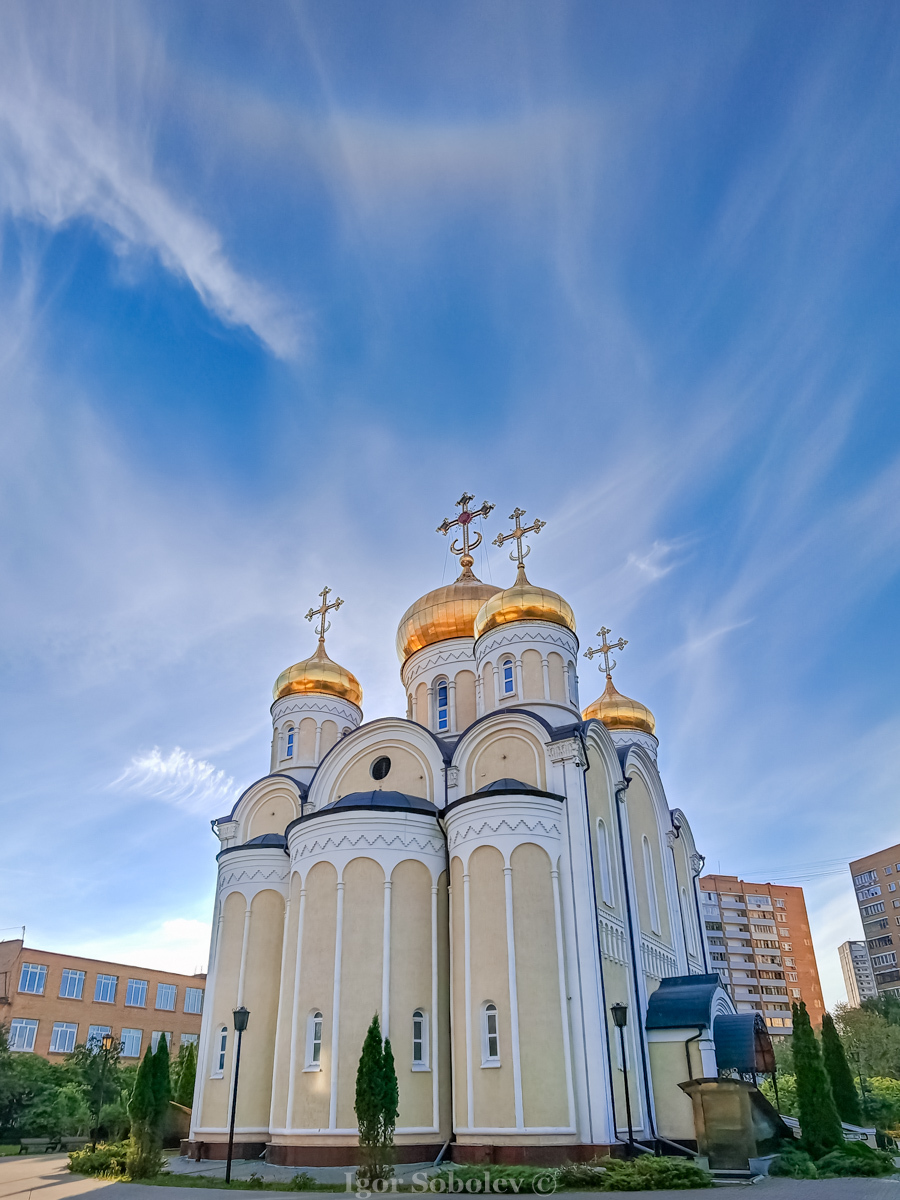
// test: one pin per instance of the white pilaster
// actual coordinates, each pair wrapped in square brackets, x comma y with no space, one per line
[513,999]
[336,1005]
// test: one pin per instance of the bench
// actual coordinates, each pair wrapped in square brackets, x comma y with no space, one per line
[74,1143]
[41,1145]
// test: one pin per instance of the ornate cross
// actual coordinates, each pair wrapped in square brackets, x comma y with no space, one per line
[604,649]
[321,611]
[463,520]
[518,533]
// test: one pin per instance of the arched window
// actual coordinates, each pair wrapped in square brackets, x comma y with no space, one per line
[222,1046]
[509,678]
[490,1036]
[314,1042]
[688,924]
[606,885]
[573,684]
[443,705]
[419,1041]
[651,886]
[289,748]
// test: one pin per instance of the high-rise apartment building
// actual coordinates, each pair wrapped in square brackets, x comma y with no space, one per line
[859,978]
[876,881]
[760,944]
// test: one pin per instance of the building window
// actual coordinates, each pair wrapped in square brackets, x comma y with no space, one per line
[156,1035]
[888,870]
[221,1048]
[419,1041]
[62,1039]
[779,904]
[509,680]
[443,705]
[105,989]
[193,1000]
[71,984]
[131,1043]
[190,1039]
[869,910]
[96,1034]
[884,960]
[136,993]
[490,1036]
[651,886]
[314,1042]
[22,1032]
[165,996]
[289,749]
[606,885]
[32,979]
[785,945]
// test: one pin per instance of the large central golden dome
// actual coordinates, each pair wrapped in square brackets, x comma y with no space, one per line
[524,602]
[620,712]
[320,675]
[447,612]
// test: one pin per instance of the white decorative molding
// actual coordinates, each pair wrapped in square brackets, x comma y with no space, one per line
[442,654]
[247,875]
[568,750]
[503,825]
[613,940]
[671,838]
[226,830]
[388,837]
[697,863]
[658,961]
[519,632]
[315,847]
[635,737]
[453,777]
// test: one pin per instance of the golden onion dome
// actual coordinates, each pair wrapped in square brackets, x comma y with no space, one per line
[447,612]
[321,676]
[524,602]
[619,712]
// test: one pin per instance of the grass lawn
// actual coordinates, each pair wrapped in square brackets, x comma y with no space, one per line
[204,1181]
[4,1150]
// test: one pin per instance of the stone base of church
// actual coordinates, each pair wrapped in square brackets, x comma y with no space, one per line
[281,1155]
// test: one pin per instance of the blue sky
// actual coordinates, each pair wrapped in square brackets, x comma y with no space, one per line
[280,281]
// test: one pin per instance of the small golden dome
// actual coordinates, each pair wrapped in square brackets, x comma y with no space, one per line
[524,602]
[447,612]
[318,675]
[619,712]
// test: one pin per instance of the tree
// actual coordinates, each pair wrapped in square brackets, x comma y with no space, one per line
[376,1106]
[144,1157]
[871,1041]
[162,1083]
[185,1072]
[843,1087]
[818,1116]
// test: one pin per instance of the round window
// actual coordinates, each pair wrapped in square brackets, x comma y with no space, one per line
[380,767]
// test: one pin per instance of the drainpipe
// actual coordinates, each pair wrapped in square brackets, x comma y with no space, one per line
[620,789]
[700,925]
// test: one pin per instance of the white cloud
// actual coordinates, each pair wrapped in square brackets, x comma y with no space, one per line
[180,944]
[178,779]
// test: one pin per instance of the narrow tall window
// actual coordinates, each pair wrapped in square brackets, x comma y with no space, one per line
[688,924]
[443,706]
[289,749]
[651,886]
[509,679]
[419,1040]
[490,1048]
[221,1048]
[606,888]
[314,1042]
[193,1000]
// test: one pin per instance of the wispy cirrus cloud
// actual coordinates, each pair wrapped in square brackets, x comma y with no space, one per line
[179,779]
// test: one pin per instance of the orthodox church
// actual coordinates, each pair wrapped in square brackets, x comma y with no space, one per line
[497,873]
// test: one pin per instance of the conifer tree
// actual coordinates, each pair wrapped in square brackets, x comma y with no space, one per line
[390,1096]
[843,1086]
[162,1084]
[818,1116]
[376,1106]
[187,1075]
[143,1150]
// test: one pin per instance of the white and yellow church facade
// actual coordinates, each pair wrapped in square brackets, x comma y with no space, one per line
[489,873]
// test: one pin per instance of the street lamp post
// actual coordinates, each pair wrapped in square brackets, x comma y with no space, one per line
[106,1044]
[241,1017]
[620,1020]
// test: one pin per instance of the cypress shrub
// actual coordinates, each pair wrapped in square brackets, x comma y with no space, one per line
[162,1083]
[376,1106]
[187,1075]
[818,1116]
[843,1087]
[143,1159]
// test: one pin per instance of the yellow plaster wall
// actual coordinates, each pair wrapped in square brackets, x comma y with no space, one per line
[601,807]
[315,993]
[487,690]
[668,1068]
[363,932]
[494,1095]
[541,1053]
[642,823]
[273,812]
[514,755]
[532,675]
[261,982]
[409,773]
[228,964]
[286,1008]
[422,714]
[465,699]
[411,984]
[557,677]
[307,740]
[329,737]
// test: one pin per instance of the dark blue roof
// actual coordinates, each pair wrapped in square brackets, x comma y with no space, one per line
[276,841]
[384,800]
[682,1000]
[510,785]
[743,1043]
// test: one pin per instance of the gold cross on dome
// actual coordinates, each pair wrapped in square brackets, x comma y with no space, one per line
[469,542]
[520,553]
[604,649]
[322,610]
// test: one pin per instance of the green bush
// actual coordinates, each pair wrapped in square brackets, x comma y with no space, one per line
[454,1177]
[581,1175]
[107,1161]
[794,1164]
[648,1173]
[301,1182]
[855,1159]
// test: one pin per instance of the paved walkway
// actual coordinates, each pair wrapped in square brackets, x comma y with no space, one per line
[46,1177]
